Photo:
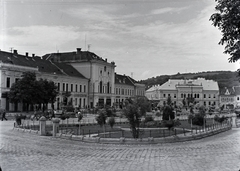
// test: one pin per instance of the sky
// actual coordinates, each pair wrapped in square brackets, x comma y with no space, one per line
[145,38]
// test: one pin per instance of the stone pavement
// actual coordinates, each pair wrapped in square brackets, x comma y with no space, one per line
[23,151]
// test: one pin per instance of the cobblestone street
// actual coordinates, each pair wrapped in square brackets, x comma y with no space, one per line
[29,152]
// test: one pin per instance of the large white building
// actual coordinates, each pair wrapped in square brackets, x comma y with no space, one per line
[204,92]
[89,78]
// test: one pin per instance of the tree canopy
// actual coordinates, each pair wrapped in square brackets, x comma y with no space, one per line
[135,109]
[29,90]
[227,19]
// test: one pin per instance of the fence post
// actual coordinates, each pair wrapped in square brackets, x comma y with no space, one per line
[42,125]
[55,122]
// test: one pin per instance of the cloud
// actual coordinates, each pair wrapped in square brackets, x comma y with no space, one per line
[40,37]
[167,10]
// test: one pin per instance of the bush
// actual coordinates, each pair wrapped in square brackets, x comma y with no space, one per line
[111,122]
[197,119]
[148,119]
[219,119]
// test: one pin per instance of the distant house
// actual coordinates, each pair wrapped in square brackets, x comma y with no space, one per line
[204,92]
[230,97]
[226,98]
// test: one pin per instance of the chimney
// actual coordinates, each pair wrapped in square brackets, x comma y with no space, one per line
[78,50]
[26,54]
[106,59]
[15,52]
[33,55]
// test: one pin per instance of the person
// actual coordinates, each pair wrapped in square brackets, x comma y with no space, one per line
[4,115]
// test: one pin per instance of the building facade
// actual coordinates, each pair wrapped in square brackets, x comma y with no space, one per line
[230,97]
[88,78]
[66,78]
[126,87]
[99,72]
[204,92]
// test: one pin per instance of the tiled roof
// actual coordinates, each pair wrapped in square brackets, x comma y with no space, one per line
[42,65]
[123,79]
[227,91]
[73,56]
[206,84]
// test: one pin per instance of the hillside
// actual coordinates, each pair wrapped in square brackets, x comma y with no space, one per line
[224,78]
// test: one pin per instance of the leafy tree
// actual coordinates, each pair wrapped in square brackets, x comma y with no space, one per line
[101,118]
[227,19]
[111,122]
[169,101]
[28,90]
[133,111]
[168,113]
[25,90]
[48,92]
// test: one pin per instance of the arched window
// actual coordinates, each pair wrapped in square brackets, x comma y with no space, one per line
[101,86]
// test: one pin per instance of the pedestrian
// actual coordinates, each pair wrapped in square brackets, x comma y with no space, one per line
[4,115]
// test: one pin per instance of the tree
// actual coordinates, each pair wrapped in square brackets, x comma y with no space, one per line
[25,90]
[111,121]
[101,118]
[168,113]
[48,92]
[134,110]
[227,19]
[30,91]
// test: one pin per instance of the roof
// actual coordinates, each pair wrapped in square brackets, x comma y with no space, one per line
[123,79]
[200,82]
[227,91]
[37,62]
[73,56]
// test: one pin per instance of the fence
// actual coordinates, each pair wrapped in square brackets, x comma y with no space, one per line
[120,129]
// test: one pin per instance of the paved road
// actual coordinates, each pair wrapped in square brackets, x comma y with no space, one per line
[27,152]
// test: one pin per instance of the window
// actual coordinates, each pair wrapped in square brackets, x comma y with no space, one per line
[175,96]
[237,98]
[63,88]
[101,87]
[8,82]
[204,96]
[209,96]
[75,101]
[71,87]
[58,87]
[80,88]
[67,87]
[105,68]
[84,88]
[164,95]
[76,88]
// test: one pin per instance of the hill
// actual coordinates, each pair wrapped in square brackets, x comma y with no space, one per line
[224,78]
